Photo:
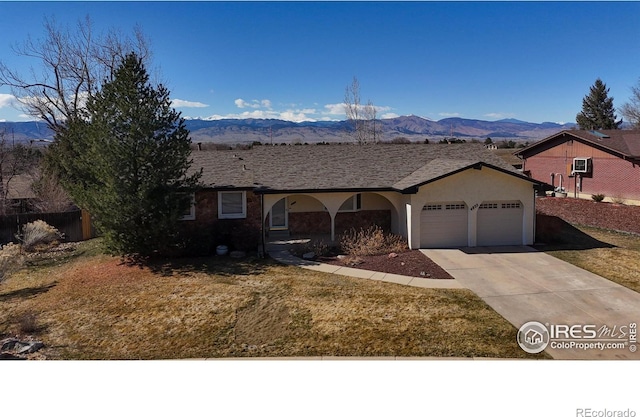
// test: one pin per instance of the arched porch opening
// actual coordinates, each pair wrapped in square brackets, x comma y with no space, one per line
[330,214]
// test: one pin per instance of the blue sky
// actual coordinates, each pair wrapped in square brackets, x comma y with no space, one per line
[293,61]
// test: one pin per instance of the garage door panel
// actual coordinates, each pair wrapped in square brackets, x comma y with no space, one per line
[499,223]
[444,225]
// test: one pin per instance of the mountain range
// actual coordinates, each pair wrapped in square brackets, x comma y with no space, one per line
[413,128]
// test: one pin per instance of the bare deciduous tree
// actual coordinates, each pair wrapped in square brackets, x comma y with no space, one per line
[15,159]
[71,65]
[631,110]
[51,197]
[364,128]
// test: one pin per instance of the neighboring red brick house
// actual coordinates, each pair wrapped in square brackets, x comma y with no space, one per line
[588,162]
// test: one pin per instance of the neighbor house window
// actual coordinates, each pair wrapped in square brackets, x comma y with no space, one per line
[232,205]
[353,203]
[189,213]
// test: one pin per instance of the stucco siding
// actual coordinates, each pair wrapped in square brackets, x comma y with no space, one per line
[473,187]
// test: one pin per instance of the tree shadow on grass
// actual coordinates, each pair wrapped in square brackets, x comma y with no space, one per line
[26,292]
[215,265]
[555,234]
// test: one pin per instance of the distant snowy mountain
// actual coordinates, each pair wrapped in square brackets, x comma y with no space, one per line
[413,128]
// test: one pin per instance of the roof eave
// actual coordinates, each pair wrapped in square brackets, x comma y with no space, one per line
[269,190]
[478,165]
[597,145]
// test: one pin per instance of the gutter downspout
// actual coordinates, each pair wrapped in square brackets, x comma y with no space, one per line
[262,249]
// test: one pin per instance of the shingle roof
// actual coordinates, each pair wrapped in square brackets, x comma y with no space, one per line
[340,167]
[621,142]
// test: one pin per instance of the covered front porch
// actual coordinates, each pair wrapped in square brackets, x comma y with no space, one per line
[326,216]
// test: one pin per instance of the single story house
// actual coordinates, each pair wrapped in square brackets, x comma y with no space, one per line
[436,195]
[588,162]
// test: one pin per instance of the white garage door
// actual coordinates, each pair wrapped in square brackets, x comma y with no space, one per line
[499,223]
[443,225]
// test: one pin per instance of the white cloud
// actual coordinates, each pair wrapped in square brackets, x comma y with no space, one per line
[184,103]
[6,100]
[263,109]
[287,115]
[389,116]
[253,104]
[335,109]
[445,114]
[499,115]
[266,103]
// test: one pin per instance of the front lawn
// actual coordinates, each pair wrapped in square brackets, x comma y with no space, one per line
[616,256]
[91,306]
[603,238]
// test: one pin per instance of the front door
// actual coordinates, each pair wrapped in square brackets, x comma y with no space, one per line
[278,218]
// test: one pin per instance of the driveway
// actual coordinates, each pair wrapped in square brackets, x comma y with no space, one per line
[524,285]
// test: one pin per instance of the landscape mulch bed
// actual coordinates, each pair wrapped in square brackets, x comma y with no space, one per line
[411,263]
[611,216]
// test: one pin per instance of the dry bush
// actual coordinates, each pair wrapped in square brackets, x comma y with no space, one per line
[617,199]
[10,259]
[371,241]
[28,323]
[352,260]
[38,233]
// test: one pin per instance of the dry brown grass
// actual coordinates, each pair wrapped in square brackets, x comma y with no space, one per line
[620,262]
[94,307]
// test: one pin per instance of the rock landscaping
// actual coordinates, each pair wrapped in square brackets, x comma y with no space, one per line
[13,348]
[411,263]
[619,217]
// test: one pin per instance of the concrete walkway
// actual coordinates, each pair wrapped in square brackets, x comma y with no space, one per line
[523,285]
[287,258]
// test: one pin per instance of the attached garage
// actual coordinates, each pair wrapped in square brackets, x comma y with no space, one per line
[444,225]
[499,223]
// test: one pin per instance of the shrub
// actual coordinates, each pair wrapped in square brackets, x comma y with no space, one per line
[371,241]
[38,233]
[28,323]
[319,248]
[10,260]
[597,197]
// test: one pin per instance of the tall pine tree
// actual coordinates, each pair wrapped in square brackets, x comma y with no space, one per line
[126,160]
[597,109]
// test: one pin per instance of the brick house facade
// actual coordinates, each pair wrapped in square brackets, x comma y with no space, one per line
[613,163]
[246,196]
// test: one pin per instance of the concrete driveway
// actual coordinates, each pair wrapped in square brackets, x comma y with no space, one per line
[523,285]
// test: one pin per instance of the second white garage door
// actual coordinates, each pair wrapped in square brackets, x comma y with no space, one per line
[444,225]
[499,223]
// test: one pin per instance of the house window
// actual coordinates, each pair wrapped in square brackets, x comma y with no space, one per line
[232,205]
[581,165]
[353,203]
[489,205]
[189,213]
[432,207]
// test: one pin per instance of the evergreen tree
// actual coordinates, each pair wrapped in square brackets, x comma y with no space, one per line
[126,160]
[597,109]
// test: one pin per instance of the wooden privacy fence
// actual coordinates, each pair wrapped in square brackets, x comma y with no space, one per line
[75,225]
